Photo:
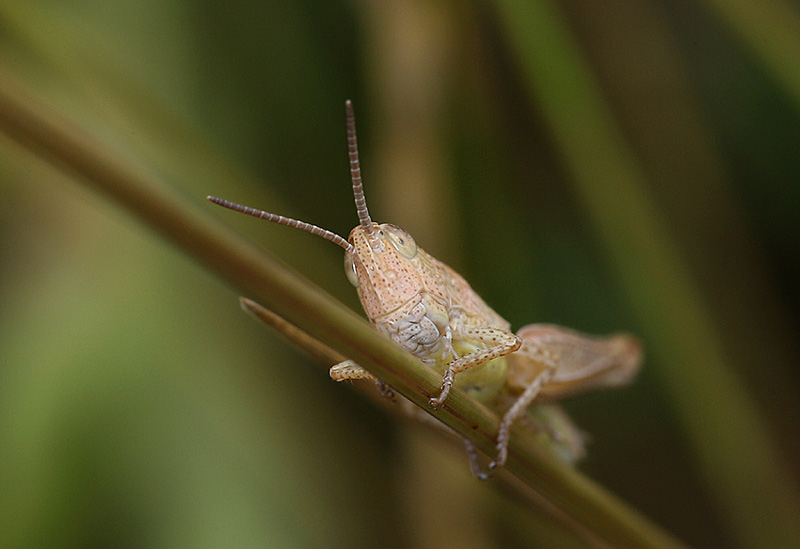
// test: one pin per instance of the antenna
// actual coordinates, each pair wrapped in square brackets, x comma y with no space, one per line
[355,171]
[289,222]
[358,193]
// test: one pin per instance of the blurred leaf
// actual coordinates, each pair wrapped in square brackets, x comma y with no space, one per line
[732,441]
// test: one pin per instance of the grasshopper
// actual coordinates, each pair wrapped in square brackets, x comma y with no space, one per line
[431,311]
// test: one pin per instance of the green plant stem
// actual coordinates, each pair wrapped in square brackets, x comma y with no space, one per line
[291,296]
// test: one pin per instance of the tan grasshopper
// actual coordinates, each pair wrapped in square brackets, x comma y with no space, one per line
[431,311]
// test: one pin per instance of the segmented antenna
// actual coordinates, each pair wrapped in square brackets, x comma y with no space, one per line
[289,222]
[355,170]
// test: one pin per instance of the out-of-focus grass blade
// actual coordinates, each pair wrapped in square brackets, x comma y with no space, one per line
[771,28]
[741,464]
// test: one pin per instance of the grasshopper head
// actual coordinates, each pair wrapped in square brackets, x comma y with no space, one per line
[381,264]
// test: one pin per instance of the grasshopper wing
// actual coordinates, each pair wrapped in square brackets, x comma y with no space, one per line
[580,362]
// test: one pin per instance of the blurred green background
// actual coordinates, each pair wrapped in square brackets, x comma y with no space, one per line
[604,166]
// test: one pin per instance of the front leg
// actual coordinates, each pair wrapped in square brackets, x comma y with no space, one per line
[499,343]
[349,370]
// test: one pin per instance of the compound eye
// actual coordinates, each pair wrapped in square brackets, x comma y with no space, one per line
[401,240]
[350,269]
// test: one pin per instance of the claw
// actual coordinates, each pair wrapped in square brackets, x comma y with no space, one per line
[502,456]
[473,461]
[437,402]
[447,384]
[385,390]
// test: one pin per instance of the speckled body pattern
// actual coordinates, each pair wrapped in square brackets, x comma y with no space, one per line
[425,306]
